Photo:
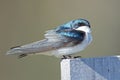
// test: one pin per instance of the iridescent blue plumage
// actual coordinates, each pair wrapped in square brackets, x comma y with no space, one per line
[77,35]
[68,29]
[81,22]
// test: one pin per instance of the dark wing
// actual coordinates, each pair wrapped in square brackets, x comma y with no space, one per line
[73,35]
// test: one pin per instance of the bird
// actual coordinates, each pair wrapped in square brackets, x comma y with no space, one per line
[62,42]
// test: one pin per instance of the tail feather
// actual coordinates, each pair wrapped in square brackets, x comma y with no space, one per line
[28,48]
[35,47]
[15,50]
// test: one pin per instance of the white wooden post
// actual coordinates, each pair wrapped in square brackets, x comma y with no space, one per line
[102,68]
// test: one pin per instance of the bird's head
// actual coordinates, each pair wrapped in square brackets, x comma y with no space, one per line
[76,25]
[74,30]
[81,25]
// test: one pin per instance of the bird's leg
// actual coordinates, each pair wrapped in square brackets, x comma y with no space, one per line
[64,57]
[77,56]
[67,57]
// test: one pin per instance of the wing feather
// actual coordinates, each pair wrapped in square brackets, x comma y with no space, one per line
[53,41]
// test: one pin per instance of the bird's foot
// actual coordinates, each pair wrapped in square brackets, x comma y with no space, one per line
[66,57]
[77,57]
[70,57]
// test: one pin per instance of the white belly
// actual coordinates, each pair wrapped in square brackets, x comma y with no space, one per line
[74,49]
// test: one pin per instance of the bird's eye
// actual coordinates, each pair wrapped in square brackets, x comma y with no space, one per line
[80,24]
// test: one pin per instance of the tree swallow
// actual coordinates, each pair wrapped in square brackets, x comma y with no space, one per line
[63,41]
